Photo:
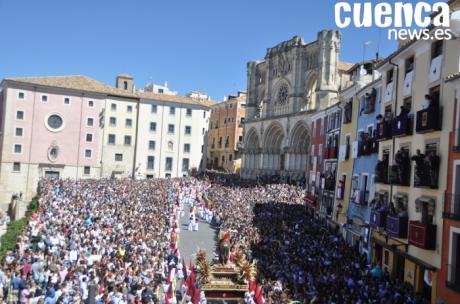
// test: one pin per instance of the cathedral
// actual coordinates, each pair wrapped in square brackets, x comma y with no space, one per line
[293,81]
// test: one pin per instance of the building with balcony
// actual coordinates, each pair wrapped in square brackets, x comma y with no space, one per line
[413,131]
[360,74]
[294,80]
[365,157]
[315,165]
[225,137]
[330,159]
[448,287]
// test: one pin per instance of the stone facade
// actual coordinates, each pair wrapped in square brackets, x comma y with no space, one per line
[294,80]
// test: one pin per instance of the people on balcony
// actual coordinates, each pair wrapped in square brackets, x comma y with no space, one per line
[428,102]
[381,169]
[401,169]
[426,169]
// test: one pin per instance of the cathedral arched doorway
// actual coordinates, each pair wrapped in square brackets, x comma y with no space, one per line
[252,151]
[273,154]
[298,149]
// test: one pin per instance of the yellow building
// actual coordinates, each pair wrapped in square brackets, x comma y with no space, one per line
[120,123]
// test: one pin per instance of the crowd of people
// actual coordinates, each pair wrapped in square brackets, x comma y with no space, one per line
[97,241]
[115,241]
[299,258]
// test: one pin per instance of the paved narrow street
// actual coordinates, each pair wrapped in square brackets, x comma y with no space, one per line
[190,241]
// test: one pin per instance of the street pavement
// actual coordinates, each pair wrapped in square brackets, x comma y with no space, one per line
[190,241]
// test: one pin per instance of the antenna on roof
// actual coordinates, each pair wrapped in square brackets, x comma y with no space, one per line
[378,44]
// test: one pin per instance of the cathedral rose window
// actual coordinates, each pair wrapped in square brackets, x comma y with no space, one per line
[282,95]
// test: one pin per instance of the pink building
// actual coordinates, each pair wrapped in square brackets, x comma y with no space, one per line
[50,126]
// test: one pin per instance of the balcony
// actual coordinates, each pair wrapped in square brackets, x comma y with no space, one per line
[381,172]
[453,277]
[426,170]
[397,226]
[400,170]
[429,120]
[399,176]
[378,219]
[422,235]
[451,206]
[384,131]
[364,148]
[329,184]
[331,152]
[402,126]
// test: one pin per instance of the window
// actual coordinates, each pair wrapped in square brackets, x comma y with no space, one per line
[151,145]
[320,154]
[125,85]
[230,157]
[150,162]
[66,100]
[89,137]
[153,126]
[44,98]
[188,130]
[203,131]
[88,153]
[409,64]
[113,106]
[170,129]
[118,157]
[185,164]
[129,109]
[90,121]
[186,148]
[127,140]
[55,122]
[153,108]
[168,164]
[204,114]
[21,95]
[161,91]
[86,170]
[225,121]
[172,111]
[90,103]
[17,148]
[19,132]
[189,112]
[389,76]
[128,122]
[436,49]
[16,167]
[20,115]
[111,139]
[113,121]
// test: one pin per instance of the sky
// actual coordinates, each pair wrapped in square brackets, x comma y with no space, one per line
[192,44]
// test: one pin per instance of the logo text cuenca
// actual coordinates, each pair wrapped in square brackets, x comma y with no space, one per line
[399,16]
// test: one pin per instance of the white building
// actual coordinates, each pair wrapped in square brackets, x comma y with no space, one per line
[171,136]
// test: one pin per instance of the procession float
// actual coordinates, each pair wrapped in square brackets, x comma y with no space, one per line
[227,280]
